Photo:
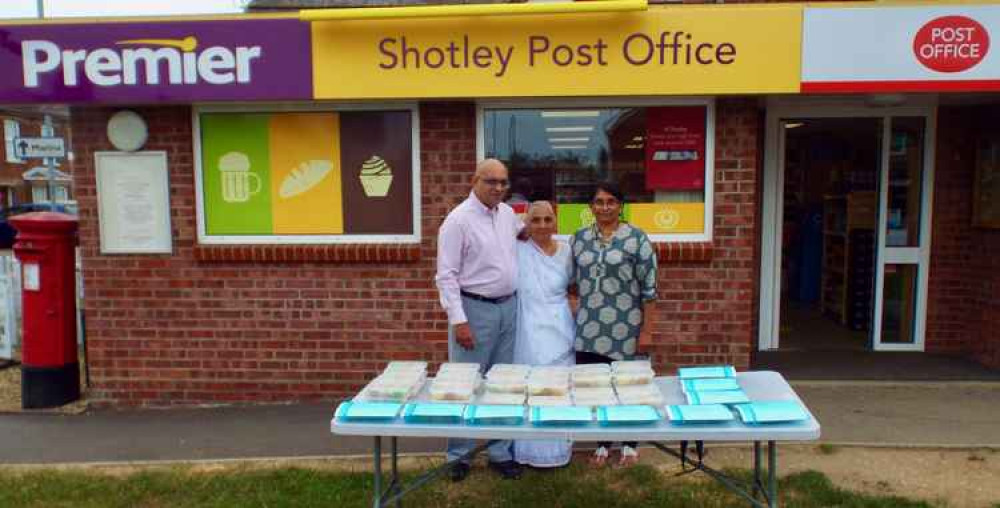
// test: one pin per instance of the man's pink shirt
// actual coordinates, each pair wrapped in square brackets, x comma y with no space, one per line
[476,253]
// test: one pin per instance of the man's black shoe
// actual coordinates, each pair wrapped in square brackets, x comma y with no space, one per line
[459,471]
[508,469]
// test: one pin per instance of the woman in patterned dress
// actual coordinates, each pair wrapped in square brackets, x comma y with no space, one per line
[615,274]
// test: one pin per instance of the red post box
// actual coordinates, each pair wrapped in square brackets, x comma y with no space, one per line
[45,246]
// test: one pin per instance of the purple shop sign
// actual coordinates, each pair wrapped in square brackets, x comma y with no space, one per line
[178,62]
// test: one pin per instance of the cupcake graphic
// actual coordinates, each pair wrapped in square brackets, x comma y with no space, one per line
[376,177]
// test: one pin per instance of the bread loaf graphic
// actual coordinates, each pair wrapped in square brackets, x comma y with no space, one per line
[376,177]
[305,177]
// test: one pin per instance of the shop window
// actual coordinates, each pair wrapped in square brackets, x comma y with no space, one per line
[11,131]
[660,156]
[39,194]
[308,176]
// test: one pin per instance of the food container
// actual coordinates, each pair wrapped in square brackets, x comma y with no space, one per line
[447,368]
[502,399]
[456,392]
[551,371]
[594,397]
[592,367]
[506,386]
[631,365]
[550,400]
[634,376]
[591,379]
[406,366]
[546,386]
[391,387]
[508,371]
[640,395]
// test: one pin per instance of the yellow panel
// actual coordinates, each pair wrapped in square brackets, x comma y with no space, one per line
[305,174]
[667,218]
[719,50]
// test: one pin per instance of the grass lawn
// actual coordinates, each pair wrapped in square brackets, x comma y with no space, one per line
[575,487]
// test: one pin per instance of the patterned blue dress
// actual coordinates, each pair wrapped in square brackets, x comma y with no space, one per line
[613,278]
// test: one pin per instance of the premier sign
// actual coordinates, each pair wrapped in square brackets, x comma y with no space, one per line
[216,65]
[249,59]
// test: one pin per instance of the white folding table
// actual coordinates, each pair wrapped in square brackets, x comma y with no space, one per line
[759,386]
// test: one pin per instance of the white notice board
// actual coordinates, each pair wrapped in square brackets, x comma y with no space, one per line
[133,201]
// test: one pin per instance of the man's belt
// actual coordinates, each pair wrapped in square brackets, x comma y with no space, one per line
[497,300]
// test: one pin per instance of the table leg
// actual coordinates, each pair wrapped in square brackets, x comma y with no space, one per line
[377,497]
[772,474]
[757,459]
[395,468]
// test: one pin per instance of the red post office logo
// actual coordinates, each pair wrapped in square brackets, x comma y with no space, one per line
[951,44]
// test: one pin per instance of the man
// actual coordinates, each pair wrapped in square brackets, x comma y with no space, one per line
[476,277]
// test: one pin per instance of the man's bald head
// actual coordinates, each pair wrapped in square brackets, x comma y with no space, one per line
[490,182]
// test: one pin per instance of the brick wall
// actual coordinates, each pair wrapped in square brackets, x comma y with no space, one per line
[177,329]
[965,271]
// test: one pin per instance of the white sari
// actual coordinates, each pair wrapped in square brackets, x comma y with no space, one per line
[545,332]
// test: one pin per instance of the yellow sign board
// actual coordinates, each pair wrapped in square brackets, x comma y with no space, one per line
[677,50]
[668,218]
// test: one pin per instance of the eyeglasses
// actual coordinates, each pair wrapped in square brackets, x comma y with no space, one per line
[605,203]
[495,182]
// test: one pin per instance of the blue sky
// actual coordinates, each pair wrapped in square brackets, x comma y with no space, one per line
[62,8]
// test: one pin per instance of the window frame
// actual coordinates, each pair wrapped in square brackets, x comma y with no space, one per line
[624,102]
[10,152]
[319,107]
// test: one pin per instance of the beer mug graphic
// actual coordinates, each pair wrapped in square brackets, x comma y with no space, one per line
[238,183]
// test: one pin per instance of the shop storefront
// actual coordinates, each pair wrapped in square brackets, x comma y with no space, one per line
[260,195]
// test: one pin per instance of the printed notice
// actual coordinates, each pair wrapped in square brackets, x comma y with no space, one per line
[133,202]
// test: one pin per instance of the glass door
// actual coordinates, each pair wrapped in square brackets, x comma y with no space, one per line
[903,236]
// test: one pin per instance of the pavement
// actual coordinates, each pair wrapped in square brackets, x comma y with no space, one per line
[876,414]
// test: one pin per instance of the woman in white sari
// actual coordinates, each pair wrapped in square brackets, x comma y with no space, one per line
[545,327]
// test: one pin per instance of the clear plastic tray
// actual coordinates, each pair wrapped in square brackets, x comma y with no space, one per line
[389,387]
[447,368]
[547,371]
[453,392]
[550,400]
[508,371]
[595,397]
[502,399]
[544,386]
[648,395]
[631,365]
[591,379]
[506,386]
[592,367]
[406,366]
[634,377]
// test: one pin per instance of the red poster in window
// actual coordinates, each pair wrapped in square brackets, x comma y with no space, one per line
[675,148]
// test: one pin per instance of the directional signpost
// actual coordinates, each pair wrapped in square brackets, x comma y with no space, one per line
[31,148]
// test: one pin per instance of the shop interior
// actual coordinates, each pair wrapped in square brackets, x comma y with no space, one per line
[828,240]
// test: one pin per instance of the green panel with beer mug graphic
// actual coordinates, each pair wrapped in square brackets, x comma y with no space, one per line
[236,171]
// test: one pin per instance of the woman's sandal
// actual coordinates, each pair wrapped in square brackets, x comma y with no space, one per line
[629,458]
[600,457]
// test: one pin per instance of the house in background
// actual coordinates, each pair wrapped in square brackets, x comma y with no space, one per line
[26,180]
